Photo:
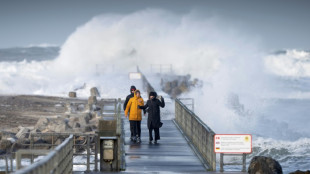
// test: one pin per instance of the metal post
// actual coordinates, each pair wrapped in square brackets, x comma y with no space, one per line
[6,165]
[221,162]
[11,164]
[18,160]
[96,153]
[243,162]
[193,104]
[88,153]
[32,147]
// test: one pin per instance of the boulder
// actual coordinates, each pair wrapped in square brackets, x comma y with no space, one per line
[5,144]
[42,124]
[92,100]
[301,172]
[23,133]
[72,94]
[84,119]
[77,125]
[264,165]
[35,131]
[94,92]
[88,129]
[8,136]
[22,143]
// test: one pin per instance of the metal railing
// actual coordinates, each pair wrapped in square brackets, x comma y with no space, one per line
[59,160]
[161,68]
[146,84]
[197,132]
[8,167]
[81,141]
[188,102]
[120,133]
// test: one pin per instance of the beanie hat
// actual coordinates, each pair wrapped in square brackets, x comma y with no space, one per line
[132,88]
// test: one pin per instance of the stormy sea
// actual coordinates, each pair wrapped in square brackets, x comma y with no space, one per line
[245,90]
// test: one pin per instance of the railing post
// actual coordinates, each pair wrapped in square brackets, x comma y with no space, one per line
[88,153]
[18,160]
[96,153]
[6,165]
[32,147]
[11,164]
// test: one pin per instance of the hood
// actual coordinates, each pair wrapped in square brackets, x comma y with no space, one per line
[132,88]
[153,94]
[136,92]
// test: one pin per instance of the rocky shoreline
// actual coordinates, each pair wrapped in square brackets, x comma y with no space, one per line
[23,115]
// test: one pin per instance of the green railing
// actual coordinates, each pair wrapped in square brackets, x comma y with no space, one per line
[197,132]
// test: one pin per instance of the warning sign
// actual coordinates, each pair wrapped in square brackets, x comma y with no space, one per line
[135,76]
[233,143]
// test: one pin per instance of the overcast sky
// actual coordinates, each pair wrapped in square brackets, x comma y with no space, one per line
[279,24]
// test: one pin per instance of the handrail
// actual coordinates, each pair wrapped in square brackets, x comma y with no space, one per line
[146,84]
[57,161]
[198,133]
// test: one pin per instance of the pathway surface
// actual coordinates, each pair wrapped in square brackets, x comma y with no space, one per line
[172,154]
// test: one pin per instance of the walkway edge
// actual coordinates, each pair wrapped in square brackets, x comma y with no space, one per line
[204,162]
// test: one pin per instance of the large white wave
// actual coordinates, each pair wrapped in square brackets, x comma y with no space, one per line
[291,63]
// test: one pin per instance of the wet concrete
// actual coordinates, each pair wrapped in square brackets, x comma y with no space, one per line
[171,154]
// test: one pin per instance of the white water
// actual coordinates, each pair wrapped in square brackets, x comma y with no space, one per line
[245,90]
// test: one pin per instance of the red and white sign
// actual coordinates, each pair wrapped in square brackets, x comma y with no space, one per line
[233,143]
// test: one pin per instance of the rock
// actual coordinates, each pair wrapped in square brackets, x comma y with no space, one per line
[174,84]
[72,121]
[5,144]
[88,129]
[94,92]
[301,172]
[2,152]
[167,87]
[175,92]
[264,165]
[42,124]
[84,119]
[8,136]
[22,143]
[81,107]
[40,141]
[35,131]
[23,133]
[72,94]
[77,125]
[92,100]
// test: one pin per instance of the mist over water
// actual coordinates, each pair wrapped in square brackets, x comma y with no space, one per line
[245,89]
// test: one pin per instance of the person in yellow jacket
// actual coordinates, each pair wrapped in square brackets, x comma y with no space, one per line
[135,115]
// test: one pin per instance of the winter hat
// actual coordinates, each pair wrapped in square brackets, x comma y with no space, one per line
[132,88]
[153,94]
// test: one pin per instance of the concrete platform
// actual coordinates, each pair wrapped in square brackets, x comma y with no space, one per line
[172,154]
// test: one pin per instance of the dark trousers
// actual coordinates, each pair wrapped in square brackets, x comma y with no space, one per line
[156,130]
[135,128]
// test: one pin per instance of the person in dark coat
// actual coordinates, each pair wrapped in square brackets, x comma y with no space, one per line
[153,121]
[131,95]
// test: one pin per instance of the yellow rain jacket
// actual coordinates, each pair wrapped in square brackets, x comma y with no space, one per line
[135,114]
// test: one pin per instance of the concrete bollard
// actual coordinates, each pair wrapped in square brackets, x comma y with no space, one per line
[72,94]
